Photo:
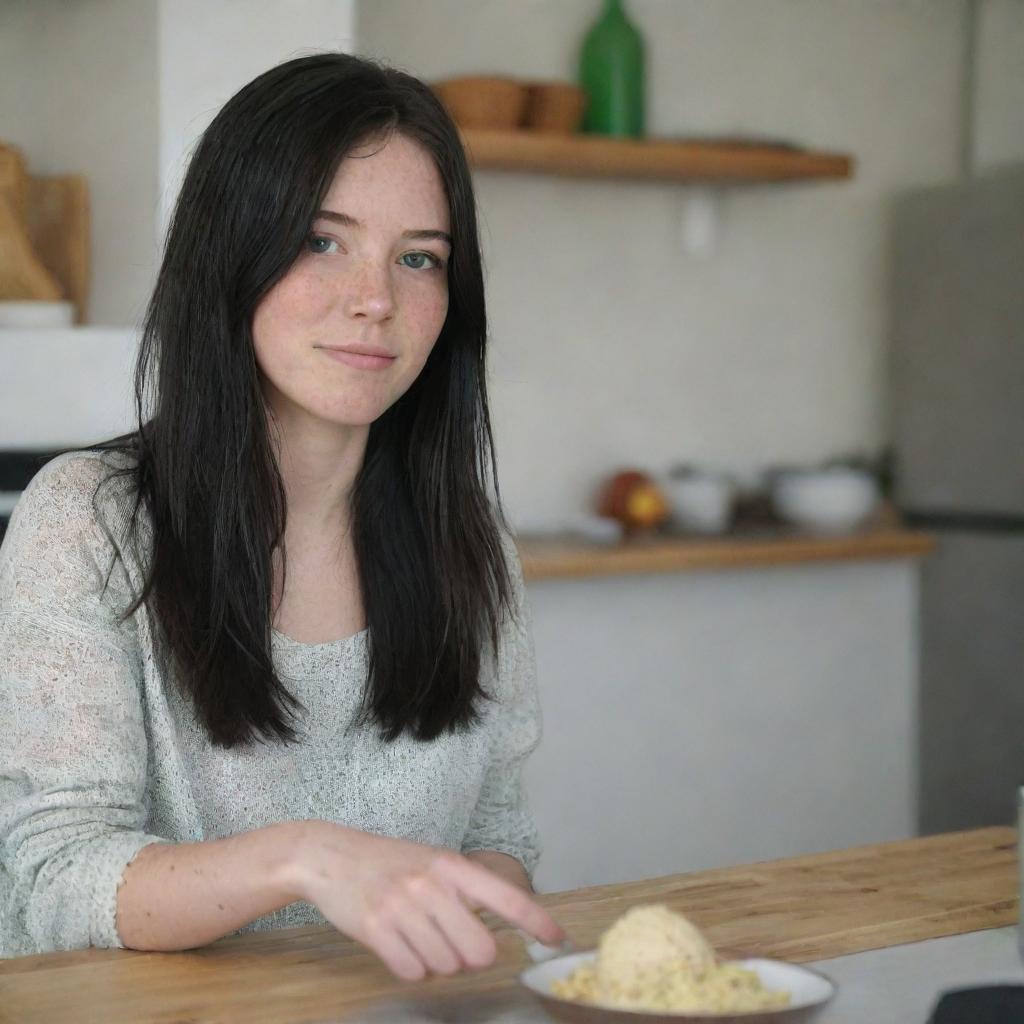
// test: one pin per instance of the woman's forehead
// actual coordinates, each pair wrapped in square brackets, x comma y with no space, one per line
[382,182]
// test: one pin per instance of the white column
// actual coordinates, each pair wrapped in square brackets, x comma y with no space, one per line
[999,96]
[209,51]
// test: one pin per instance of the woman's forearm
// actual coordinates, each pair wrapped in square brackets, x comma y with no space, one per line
[183,895]
[410,903]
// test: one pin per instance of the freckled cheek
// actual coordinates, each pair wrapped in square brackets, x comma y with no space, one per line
[431,313]
[439,307]
[299,303]
[284,323]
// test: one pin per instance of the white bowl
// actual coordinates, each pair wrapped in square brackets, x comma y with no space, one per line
[701,502]
[36,313]
[825,500]
[808,992]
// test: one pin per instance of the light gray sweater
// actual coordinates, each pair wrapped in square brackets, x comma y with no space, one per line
[100,755]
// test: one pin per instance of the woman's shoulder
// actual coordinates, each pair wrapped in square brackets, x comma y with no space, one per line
[73,471]
[74,492]
[62,543]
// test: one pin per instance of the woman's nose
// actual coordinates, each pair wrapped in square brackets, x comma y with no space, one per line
[369,292]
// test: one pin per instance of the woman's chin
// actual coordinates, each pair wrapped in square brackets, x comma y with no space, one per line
[354,419]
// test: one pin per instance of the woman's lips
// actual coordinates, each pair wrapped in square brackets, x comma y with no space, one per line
[360,360]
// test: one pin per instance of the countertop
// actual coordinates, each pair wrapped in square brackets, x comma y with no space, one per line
[802,909]
[555,557]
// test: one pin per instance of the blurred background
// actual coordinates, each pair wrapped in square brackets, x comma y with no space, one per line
[774,335]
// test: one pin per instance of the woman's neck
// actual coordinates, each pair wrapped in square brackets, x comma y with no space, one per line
[318,463]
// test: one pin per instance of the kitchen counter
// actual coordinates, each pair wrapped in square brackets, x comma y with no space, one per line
[562,557]
[802,909]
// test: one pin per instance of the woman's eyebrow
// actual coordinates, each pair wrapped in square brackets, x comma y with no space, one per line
[351,222]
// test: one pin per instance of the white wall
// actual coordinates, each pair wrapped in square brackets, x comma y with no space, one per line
[999,101]
[17,123]
[610,345]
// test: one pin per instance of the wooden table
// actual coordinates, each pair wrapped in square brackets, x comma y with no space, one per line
[801,909]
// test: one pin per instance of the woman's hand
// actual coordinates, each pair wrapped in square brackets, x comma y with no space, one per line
[409,903]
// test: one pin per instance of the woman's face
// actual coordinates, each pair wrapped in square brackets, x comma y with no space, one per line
[348,328]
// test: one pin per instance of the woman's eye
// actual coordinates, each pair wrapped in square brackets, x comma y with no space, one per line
[319,244]
[435,263]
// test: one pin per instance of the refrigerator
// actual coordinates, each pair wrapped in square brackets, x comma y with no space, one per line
[957,300]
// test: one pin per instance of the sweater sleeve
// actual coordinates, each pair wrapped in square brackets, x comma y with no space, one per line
[502,820]
[73,756]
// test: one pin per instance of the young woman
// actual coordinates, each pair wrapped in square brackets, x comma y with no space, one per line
[266,660]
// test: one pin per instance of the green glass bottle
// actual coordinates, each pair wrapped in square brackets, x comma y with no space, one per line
[612,75]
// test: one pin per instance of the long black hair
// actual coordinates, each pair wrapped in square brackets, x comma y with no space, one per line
[434,579]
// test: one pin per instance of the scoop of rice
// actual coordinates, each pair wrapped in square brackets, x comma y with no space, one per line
[654,959]
[646,944]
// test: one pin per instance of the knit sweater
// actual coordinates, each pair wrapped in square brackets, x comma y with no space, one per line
[100,754]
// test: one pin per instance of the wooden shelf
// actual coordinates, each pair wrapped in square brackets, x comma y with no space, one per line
[664,159]
[562,558]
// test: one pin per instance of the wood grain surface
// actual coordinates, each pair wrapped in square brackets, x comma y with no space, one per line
[13,180]
[560,557]
[23,277]
[665,159]
[805,908]
[58,219]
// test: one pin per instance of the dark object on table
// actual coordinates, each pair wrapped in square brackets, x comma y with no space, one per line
[993,1004]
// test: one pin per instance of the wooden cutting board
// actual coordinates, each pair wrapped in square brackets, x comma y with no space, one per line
[44,234]
[57,219]
[13,180]
[22,273]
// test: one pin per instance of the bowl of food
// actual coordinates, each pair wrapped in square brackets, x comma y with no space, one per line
[653,966]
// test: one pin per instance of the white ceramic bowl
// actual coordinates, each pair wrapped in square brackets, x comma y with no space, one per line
[30,313]
[825,500]
[808,991]
[701,502]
